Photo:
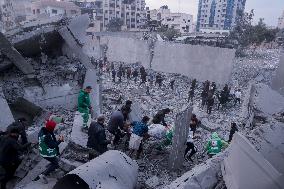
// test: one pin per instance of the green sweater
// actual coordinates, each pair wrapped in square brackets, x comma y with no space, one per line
[83,100]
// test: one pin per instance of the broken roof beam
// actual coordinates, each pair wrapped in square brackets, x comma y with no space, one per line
[17,59]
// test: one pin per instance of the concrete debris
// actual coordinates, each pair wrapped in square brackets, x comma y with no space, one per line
[152,182]
[77,136]
[7,49]
[278,80]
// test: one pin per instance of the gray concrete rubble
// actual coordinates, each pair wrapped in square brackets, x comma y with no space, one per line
[17,59]
[78,27]
[77,136]
[6,117]
[112,169]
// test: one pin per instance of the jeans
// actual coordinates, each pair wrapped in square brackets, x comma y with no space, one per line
[54,164]
[190,146]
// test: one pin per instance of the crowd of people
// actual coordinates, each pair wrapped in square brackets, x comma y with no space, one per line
[119,125]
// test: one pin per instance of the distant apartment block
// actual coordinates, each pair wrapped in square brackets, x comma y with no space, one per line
[218,15]
[7,16]
[180,21]
[281,22]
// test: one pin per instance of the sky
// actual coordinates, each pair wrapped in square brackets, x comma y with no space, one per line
[270,10]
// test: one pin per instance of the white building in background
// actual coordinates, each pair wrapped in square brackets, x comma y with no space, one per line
[131,12]
[180,21]
[218,16]
[7,16]
[281,22]
[50,8]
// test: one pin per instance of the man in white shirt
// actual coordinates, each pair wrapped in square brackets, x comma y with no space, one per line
[189,146]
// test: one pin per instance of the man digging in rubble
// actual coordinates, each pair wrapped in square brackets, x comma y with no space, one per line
[10,155]
[159,118]
[84,105]
[116,125]
[49,149]
[140,131]
[97,138]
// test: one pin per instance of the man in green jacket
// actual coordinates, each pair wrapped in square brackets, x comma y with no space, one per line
[215,145]
[84,104]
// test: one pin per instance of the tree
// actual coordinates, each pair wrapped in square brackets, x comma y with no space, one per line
[114,25]
[169,33]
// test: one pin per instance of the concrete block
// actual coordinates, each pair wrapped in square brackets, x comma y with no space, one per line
[72,43]
[212,127]
[7,49]
[245,167]
[91,79]
[113,169]
[267,100]
[6,117]
[77,136]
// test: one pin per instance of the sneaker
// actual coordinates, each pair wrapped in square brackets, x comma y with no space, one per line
[43,179]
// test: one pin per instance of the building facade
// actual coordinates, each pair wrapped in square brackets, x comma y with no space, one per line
[50,8]
[281,22]
[218,15]
[7,15]
[179,21]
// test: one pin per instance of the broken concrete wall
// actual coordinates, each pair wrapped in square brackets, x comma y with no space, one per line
[189,60]
[278,80]
[78,26]
[201,62]
[111,170]
[182,121]
[127,50]
[6,117]
[247,168]
[15,57]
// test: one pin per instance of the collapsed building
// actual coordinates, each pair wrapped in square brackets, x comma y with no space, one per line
[44,66]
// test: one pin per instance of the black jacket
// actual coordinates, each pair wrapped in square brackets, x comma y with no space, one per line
[160,118]
[10,150]
[97,137]
[116,121]
[21,127]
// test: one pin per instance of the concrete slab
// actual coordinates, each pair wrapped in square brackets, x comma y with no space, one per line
[136,113]
[209,126]
[78,26]
[6,117]
[7,49]
[245,167]
[75,47]
[91,79]
[77,136]
[111,170]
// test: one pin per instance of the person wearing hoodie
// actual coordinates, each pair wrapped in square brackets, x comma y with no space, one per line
[215,145]
[84,105]
[49,148]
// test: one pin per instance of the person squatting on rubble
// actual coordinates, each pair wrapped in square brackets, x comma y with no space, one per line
[97,137]
[190,146]
[215,145]
[10,151]
[159,118]
[116,125]
[49,148]
[84,105]
[139,133]
[233,129]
